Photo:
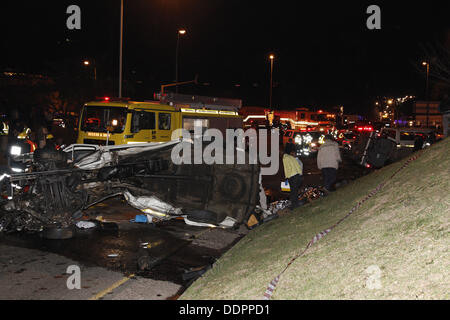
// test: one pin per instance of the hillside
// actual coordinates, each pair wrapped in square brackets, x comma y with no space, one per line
[395,246]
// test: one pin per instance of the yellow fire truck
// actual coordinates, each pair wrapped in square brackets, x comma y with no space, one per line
[121,121]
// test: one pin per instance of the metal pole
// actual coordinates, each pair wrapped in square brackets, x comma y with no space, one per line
[427,94]
[176,61]
[121,44]
[271,71]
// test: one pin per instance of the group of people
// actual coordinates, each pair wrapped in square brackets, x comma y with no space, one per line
[328,159]
[18,131]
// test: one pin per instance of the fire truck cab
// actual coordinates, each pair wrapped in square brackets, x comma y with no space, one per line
[111,121]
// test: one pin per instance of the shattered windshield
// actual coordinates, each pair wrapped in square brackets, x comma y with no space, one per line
[103,119]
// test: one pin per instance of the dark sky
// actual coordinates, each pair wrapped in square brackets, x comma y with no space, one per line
[325,55]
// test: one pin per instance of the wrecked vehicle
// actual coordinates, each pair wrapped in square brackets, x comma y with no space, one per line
[62,184]
[390,145]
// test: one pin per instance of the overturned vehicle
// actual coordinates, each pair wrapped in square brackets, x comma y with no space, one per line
[59,185]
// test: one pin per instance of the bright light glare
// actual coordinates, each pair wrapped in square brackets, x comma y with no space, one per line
[16,150]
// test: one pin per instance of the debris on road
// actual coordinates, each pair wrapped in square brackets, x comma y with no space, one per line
[85,224]
[194,273]
[142,218]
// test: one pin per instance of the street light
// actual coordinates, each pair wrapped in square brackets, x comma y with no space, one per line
[425,63]
[120,51]
[271,57]
[180,32]
[87,63]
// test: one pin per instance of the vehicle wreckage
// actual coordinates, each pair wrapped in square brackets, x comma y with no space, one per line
[59,185]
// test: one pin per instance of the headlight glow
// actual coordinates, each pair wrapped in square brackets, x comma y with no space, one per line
[16,150]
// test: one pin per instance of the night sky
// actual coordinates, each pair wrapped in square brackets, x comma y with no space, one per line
[325,55]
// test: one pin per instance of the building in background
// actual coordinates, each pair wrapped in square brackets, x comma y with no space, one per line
[427,111]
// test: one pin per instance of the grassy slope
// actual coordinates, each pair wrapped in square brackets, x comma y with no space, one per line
[403,230]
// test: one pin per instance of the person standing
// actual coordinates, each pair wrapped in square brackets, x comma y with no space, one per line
[293,171]
[418,143]
[328,159]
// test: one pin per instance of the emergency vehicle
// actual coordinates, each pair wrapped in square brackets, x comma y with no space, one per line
[301,119]
[111,121]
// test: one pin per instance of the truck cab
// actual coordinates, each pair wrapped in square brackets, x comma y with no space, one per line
[120,121]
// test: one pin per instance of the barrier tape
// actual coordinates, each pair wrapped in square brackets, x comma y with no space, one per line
[273,284]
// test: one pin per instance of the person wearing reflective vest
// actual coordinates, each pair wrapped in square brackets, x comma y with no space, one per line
[293,171]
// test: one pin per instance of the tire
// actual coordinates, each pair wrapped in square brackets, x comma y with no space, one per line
[232,187]
[203,216]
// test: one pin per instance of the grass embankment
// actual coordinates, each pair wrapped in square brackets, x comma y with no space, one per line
[403,231]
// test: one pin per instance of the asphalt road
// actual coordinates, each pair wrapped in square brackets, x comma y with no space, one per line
[32,267]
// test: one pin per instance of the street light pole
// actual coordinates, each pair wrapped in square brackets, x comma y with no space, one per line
[181,31]
[271,57]
[87,63]
[427,64]
[121,45]
[427,93]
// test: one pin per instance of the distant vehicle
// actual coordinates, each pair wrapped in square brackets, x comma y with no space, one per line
[391,144]
[362,127]
[405,137]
